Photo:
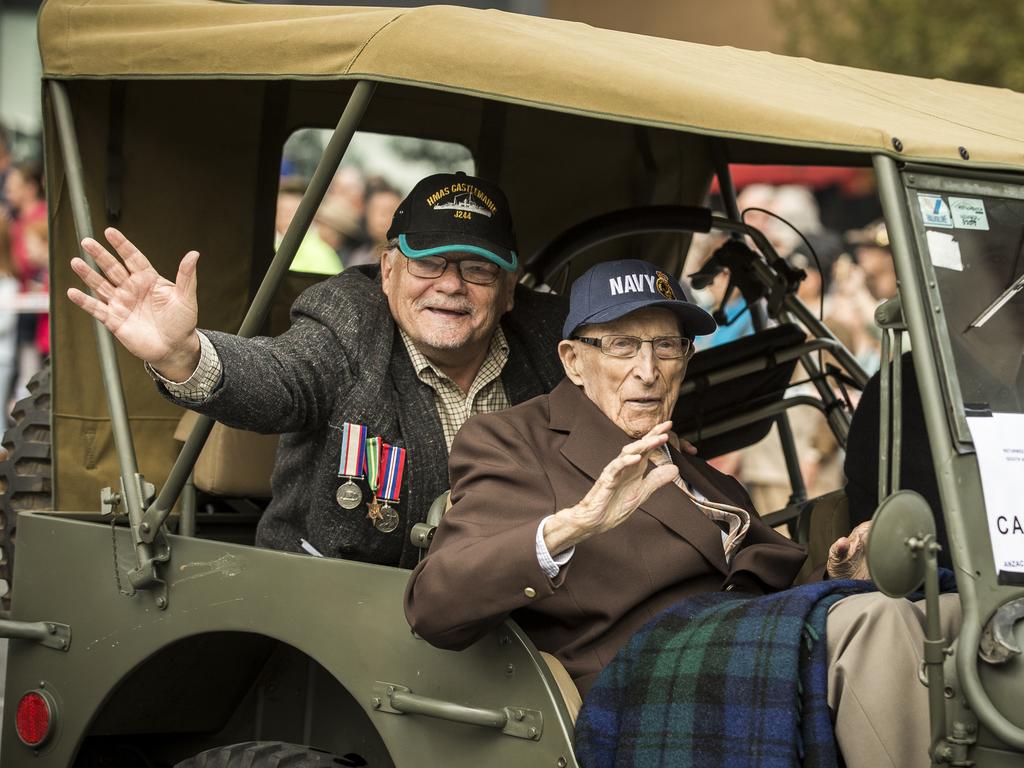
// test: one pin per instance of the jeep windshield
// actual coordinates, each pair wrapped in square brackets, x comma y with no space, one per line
[973,234]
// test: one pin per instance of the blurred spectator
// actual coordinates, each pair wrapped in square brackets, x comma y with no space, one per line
[753,201]
[314,256]
[381,203]
[37,252]
[798,207]
[23,188]
[810,289]
[851,313]
[8,321]
[338,227]
[871,249]
[350,187]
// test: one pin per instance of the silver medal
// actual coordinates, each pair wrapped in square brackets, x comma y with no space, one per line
[349,496]
[387,521]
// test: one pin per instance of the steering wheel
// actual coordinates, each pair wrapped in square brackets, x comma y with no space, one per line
[556,254]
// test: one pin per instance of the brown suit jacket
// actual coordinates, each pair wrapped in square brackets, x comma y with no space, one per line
[512,468]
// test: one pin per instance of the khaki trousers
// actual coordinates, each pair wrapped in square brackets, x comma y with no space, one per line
[875,648]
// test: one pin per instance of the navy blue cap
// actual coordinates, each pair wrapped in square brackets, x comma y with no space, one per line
[607,291]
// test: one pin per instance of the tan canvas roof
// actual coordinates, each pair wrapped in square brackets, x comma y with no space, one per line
[543,62]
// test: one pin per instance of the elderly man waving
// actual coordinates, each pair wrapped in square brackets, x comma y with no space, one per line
[375,376]
[576,514]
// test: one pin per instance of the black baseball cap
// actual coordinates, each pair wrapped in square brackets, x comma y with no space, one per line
[453,212]
[610,290]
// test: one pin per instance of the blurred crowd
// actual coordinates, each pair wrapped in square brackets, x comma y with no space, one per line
[350,225]
[848,274]
[24,276]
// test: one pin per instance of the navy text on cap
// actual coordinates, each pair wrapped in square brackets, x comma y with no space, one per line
[610,290]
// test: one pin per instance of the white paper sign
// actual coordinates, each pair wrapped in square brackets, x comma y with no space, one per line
[999,443]
[944,251]
[968,213]
[934,211]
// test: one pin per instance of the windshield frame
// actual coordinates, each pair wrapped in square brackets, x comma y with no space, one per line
[917,179]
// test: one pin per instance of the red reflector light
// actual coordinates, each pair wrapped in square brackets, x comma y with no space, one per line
[33,718]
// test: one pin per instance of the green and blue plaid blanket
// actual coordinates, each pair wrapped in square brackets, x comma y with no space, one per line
[722,680]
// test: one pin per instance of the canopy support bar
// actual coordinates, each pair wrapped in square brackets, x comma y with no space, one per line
[348,123]
[131,482]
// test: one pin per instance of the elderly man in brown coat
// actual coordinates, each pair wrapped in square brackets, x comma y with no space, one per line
[577,514]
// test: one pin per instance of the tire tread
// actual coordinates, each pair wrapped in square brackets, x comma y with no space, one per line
[26,479]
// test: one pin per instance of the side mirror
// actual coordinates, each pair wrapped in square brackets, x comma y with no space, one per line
[897,543]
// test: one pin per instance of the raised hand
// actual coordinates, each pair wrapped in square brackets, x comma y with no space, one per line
[152,317]
[620,489]
[847,557]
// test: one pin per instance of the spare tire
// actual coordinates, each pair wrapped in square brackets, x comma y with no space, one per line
[268,754]
[26,480]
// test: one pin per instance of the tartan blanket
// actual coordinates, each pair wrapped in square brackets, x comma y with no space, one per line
[720,679]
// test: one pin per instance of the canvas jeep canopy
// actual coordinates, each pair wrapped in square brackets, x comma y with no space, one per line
[546,63]
[182,107]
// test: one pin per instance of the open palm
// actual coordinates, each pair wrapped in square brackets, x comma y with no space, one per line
[152,317]
[625,483]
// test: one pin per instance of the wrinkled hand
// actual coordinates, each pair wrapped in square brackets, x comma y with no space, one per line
[620,489]
[847,555]
[152,317]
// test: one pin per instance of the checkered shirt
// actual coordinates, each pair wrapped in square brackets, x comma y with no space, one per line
[486,393]
[204,379]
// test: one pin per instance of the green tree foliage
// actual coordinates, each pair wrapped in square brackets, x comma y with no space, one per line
[966,40]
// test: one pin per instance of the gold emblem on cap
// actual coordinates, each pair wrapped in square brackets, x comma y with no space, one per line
[663,286]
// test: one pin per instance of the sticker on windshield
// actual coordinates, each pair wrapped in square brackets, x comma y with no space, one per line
[934,211]
[968,213]
[944,251]
[999,445]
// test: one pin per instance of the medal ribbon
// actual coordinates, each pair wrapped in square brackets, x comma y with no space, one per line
[373,445]
[353,450]
[392,464]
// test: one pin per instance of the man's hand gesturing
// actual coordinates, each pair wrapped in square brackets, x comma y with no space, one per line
[152,317]
[621,488]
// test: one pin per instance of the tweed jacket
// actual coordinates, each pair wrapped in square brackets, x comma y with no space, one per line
[343,360]
[510,469]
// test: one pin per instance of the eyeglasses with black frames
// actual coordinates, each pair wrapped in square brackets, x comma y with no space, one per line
[476,271]
[665,347]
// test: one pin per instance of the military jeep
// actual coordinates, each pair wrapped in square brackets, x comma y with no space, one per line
[144,627]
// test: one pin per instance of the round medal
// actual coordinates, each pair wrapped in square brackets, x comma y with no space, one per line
[388,520]
[349,496]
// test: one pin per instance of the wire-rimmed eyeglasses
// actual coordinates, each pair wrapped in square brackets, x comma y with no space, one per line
[664,347]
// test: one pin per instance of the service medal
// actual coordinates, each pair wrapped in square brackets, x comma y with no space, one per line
[350,465]
[349,496]
[373,446]
[392,466]
[388,520]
